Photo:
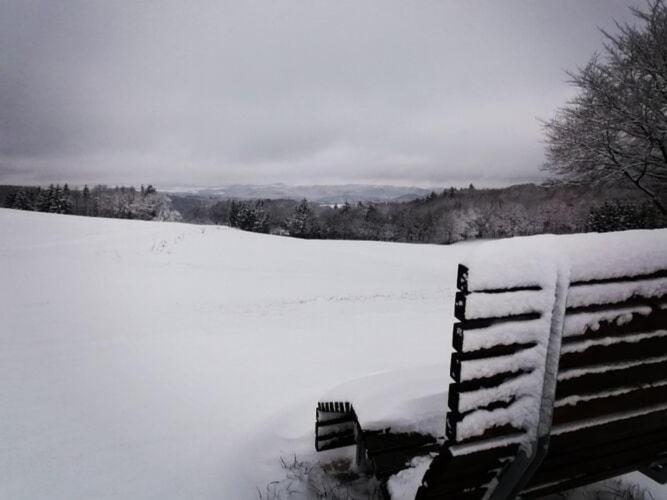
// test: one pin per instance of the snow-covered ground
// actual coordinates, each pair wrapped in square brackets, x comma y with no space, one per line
[164,360]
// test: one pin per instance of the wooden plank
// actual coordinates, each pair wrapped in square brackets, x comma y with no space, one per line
[482,382]
[385,453]
[495,351]
[639,323]
[346,418]
[559,463]
[334,406]
[591,442]
[460,306]
[451,477]
[476,323]
[451,424]
[581,479]
[461,299]
[610,465]
[632,302]
[570,441]
[636,399]
[462,278]
[614,353]
[335,425]
[622,279]
[386,442]
[453,399]
[335,435]
[457,336]
[336,443]
[577,449]
[590,383]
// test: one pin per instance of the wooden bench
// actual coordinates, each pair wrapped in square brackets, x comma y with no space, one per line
[558,379]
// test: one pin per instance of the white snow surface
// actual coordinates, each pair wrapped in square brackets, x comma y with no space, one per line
[526,359]
[404,485]
[410,400]
[164,360]
[525,261]
[502,334]
[484,305]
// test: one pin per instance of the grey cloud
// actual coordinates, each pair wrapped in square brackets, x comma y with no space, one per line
[301,92]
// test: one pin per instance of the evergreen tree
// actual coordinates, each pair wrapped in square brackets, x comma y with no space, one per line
[261,223]
[234,214]
[9,200]
[245,218]
[66,201]
[302,222]
[55,200]
[617,216]
[85,196]
[22,201]
[43,198]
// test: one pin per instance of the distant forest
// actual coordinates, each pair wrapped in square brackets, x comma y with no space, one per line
[442,217]
[100,201]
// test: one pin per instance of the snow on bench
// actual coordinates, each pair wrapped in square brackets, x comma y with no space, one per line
[558,376]
[395,416]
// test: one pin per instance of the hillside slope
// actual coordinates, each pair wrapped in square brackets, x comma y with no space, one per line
[161,360]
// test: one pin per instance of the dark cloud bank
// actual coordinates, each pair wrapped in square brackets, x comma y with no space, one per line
[206,93]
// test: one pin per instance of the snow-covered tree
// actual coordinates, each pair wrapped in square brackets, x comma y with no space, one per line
[615,129]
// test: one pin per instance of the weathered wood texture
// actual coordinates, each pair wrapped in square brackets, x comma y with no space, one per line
[378,452]
[610,408]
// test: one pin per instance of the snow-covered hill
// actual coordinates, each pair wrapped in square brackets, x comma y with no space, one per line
[163,360]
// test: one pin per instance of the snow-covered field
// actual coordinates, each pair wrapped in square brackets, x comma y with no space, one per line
[165,360]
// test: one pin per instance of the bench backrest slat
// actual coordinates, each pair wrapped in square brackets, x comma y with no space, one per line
[610,401]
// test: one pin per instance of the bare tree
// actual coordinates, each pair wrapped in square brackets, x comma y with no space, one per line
[616,126]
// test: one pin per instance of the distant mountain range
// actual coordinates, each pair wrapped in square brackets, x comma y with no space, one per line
[315,193]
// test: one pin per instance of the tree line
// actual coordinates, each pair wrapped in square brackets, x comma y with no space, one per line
[120,202]
[446,216]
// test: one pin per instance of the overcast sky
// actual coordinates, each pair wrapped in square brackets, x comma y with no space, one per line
[207,93]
